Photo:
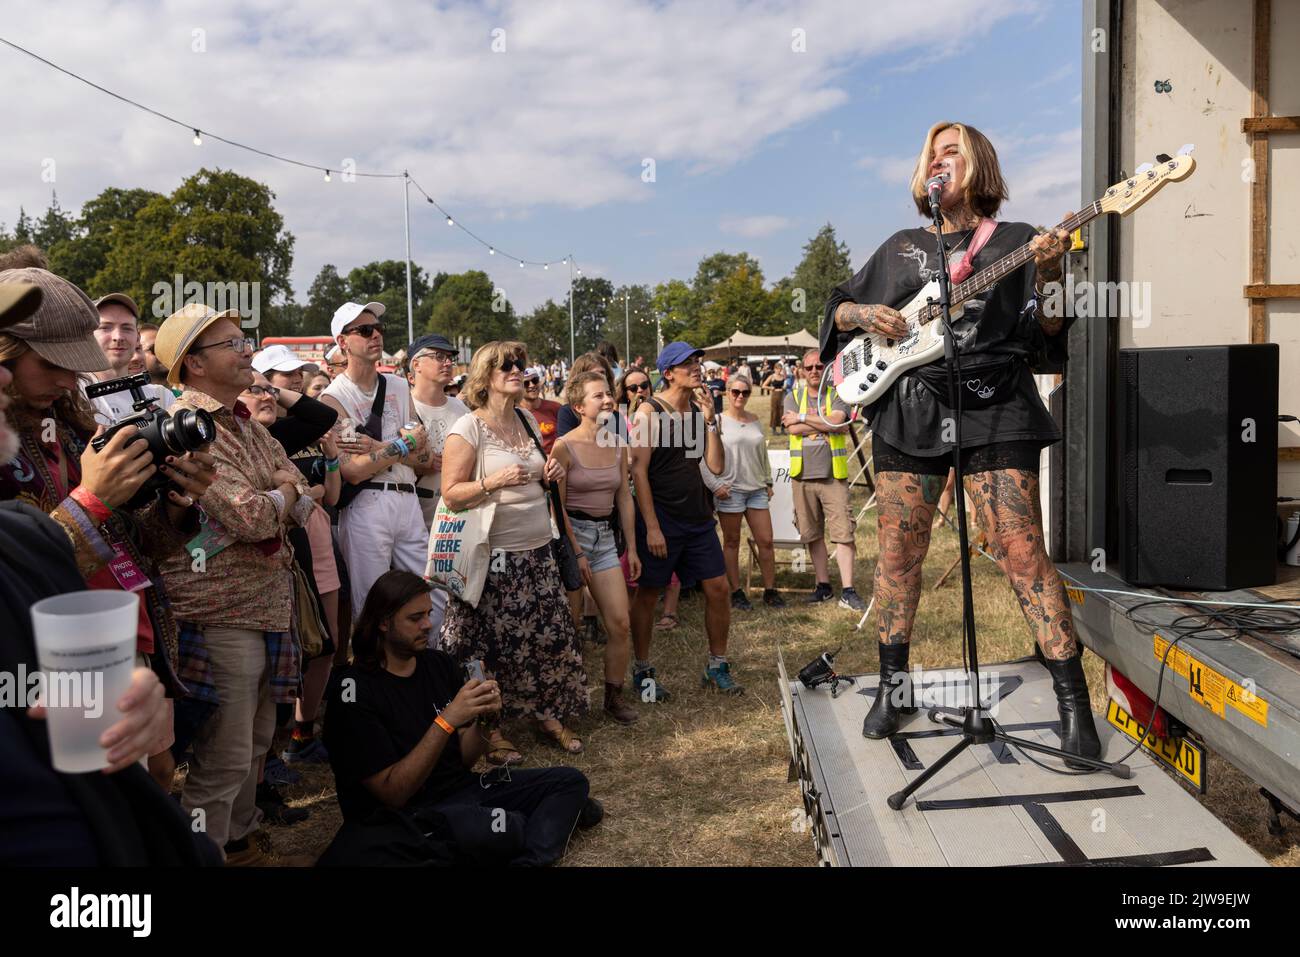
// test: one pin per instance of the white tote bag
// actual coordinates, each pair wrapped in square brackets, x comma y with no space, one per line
[459,554]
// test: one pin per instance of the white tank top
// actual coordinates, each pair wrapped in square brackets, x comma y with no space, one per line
[397,412]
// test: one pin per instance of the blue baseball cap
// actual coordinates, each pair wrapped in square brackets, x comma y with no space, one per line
[675,353]
[432,341]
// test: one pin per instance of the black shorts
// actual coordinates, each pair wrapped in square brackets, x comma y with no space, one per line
[1022,455]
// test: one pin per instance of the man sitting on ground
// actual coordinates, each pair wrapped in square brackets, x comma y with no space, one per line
[402,733]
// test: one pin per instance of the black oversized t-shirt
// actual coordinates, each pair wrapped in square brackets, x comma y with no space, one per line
[999,322]
[380,718]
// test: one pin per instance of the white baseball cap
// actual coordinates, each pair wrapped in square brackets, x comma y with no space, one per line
[349,311]
[334,353]
[278,358]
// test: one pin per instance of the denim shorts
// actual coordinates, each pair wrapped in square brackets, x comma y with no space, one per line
[739,501]
[596,539]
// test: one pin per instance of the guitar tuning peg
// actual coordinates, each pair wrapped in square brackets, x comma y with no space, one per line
[1142,169]
[1187,149]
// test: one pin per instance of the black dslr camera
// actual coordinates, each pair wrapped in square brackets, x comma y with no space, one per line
[186,431]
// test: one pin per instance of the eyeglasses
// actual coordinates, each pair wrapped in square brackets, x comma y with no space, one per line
[236,344]
[532,382]
[366,331]
[268,391]
[637,386]
[740,392]
[447,357]
[511,364]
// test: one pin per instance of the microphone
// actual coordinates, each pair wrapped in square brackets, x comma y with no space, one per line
[934,187]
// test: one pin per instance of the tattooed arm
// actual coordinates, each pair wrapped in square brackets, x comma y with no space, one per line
[883,320]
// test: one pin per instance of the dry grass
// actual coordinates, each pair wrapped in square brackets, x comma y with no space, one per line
[702,780]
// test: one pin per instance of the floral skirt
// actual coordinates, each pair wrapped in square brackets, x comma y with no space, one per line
[523,633]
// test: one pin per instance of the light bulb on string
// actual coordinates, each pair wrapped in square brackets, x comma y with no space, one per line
[198,140]
[521,264]
[327,176]
[491,251]
[450,221]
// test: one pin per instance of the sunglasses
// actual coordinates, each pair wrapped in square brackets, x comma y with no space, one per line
[532,381]
[366,331]
[814,368]
[637,386]
[740,392]
[510,365]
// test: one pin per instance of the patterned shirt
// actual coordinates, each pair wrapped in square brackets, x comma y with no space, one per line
[235,573]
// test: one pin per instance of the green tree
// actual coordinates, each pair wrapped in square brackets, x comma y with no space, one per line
[824,266]
[591,307]
[55,226]
[546,332]
[216,228]
[23,228]
[739,301]
[85,253]
[674,302]
[467,306]
[636,318]
[327,292]
[385,281]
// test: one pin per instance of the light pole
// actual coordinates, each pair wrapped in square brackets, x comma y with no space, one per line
[627,331]
[410,306]
[571,353]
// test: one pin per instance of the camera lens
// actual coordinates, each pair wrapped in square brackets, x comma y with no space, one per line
[187,430]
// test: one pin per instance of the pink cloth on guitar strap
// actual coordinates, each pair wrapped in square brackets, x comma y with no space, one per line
[982,234]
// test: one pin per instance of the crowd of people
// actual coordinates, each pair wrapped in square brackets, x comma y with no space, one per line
[286,613]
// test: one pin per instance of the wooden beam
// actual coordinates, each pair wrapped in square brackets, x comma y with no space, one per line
[1259,162]
[1271,124]
[1288,453]
[1272,290]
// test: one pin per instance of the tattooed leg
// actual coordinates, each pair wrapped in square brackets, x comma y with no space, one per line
[904,510]
[1007,506]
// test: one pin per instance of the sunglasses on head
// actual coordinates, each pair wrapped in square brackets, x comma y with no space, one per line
[511,364]
[368,330]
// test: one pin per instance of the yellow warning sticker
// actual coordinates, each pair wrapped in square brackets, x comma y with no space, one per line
[1210,689]
[1076,594]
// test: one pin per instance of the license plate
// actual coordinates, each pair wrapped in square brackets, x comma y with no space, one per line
[1185,758]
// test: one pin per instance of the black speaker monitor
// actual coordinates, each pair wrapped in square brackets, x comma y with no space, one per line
[1197,431]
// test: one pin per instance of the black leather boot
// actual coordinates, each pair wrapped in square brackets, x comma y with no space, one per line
[1078,732]
[894,690]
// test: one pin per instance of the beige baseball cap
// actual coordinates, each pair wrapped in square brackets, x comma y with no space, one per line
[62,329]
[179,331]
[122,299]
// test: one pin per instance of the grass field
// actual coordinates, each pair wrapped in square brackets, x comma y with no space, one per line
[702,780]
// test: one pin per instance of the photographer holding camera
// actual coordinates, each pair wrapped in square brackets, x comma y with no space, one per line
[232,589]
[94,493]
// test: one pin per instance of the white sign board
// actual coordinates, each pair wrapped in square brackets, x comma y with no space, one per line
[783,531]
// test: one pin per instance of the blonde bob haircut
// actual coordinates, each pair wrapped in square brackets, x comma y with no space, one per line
[576,389]
[983,185]
[487,359]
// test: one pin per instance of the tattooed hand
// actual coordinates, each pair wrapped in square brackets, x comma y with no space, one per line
[873,318]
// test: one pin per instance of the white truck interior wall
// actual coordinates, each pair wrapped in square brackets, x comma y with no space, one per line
[1191,242]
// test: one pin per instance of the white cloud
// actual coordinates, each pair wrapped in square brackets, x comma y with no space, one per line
[895,170]
[562,119]
[754,227]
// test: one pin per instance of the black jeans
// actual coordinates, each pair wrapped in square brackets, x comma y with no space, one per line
[520,817]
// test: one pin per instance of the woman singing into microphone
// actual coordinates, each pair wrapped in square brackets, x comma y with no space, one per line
[1004,423]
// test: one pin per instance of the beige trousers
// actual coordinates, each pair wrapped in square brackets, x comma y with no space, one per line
[228,749]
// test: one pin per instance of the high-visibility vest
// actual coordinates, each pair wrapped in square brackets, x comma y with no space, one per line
[839,445]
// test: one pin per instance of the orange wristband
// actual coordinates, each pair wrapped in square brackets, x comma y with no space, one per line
[446,725]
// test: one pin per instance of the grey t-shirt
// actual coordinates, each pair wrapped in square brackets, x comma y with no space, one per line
[816,450]
[437,421]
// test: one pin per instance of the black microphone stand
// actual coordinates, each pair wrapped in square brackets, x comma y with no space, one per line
[976,726]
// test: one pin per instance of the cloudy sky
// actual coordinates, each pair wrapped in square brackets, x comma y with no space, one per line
[539,124]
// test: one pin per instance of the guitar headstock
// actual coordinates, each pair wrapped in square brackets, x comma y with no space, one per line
[1128,195]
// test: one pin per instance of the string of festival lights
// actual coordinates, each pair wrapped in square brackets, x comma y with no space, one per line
[199,132]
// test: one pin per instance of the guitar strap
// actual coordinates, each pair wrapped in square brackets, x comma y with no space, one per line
[982,234]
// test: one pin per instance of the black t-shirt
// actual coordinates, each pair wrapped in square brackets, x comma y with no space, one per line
[1001,322]
[379,718]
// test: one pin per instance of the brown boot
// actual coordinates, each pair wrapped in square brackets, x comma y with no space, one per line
[616,707]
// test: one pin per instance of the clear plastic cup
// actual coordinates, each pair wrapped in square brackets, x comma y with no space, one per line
[85,647]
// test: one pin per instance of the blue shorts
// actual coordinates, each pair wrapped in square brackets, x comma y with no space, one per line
[596,539]
[740,501]
[694,552]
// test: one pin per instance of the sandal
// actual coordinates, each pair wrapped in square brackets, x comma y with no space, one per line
[667,622]
[561,738]
[501,747]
